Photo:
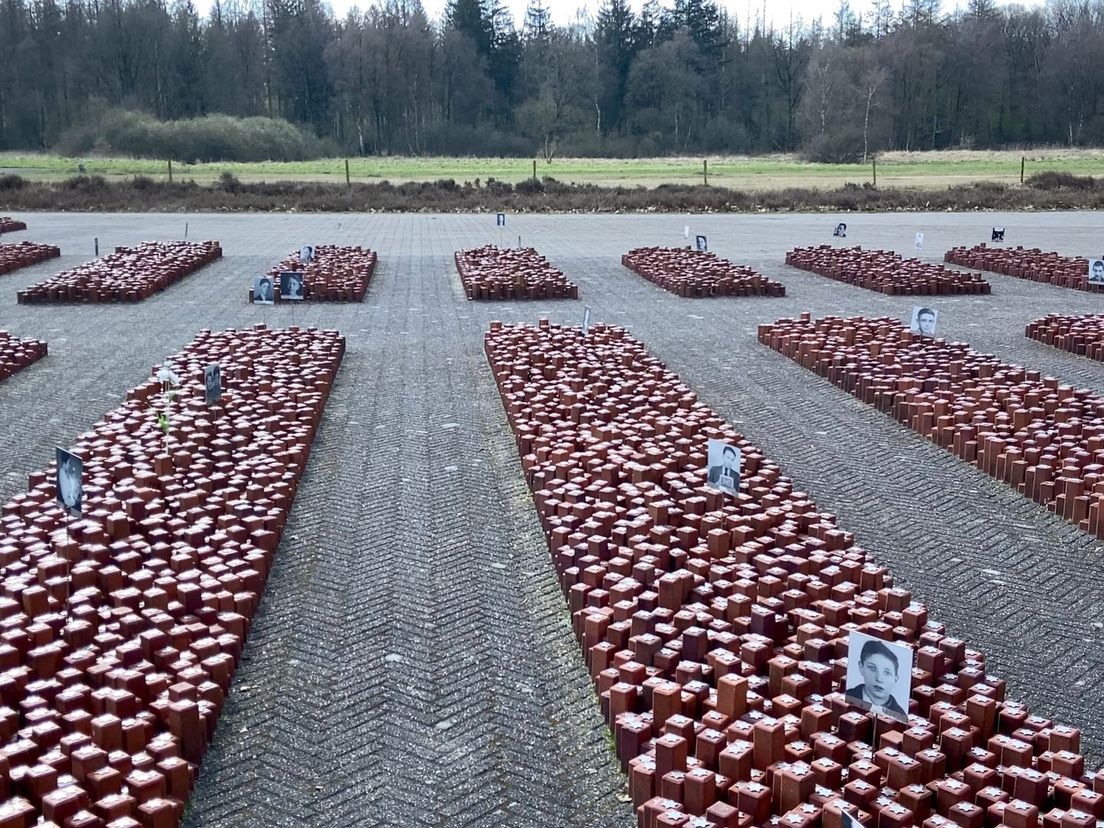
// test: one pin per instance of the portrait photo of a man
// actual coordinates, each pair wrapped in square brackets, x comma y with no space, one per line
[923,320]
[69,489]
[212,383]
[291,285]
[262,291]
[879,675]
[1096,271]
[840,231]
[306,253]
[724,466]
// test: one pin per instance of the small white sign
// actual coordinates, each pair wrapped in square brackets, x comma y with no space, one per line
[68,485]
[291,285]
[923,320]
[686,232]
[586,321]
[724,463]
[1096,271]
[262,291]
[879,675]
[919,243]
[212,383]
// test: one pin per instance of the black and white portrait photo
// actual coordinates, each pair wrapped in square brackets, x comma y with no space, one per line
[306,253]
[70,490]
[841,231]
[923,320]
[723,462]
[879,675]
[291,285]
[848,821]
[702,244]
[1096,271]
[500,220]
[998,234]
[262,291]
[212,383]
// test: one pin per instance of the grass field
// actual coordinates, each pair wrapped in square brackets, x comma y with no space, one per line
[931,170]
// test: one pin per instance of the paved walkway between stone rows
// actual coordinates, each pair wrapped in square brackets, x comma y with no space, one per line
[412,662]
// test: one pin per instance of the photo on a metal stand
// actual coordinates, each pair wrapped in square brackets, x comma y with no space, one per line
[702,244]
[212,383]
[500,220]
[923,320]
[879,675]
[1096,271]
[262,291]
[841,231]
[291,285]
[68,485]
[724,463]
[586,321]
[998,234]
[306,253]
[919,242]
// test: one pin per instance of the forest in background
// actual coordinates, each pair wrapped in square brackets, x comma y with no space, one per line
[105,75]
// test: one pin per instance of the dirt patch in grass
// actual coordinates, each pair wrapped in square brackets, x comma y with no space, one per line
[228,194]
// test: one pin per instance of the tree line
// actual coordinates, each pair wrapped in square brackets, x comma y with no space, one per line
[686,77]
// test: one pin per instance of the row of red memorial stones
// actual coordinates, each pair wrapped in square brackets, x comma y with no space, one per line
[1082,334]
[23,254]
[10,225]
[1044,438]
[121,630]
[334,274]
[16,354]
[1032,264]
[715,628]
[693,273]
[885,272]
[130,274]
[492,272]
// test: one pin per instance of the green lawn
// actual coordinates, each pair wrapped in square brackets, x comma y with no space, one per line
[931,170]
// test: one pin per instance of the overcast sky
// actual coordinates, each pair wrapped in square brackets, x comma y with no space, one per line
[778,12]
